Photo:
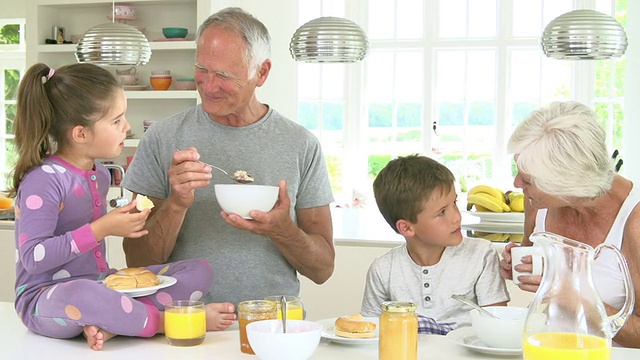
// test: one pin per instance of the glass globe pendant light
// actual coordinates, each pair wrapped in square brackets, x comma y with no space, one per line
[329,40]
[113,44]
[584,35]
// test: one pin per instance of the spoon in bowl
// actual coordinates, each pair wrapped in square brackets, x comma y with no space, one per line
[283,309]
[468,302]
[239,176]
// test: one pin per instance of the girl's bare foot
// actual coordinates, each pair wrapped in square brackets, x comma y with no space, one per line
[219,316]
[96,337]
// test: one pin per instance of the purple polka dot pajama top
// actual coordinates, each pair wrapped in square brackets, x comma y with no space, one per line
[60,264]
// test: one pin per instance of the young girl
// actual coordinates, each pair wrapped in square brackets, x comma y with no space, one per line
[66,119]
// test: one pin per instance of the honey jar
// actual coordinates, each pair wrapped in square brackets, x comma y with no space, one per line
[398,337]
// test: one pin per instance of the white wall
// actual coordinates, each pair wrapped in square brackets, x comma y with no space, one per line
[12,9]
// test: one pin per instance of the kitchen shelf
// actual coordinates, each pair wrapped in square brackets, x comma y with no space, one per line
[155,46]
[151,94]
[78,16]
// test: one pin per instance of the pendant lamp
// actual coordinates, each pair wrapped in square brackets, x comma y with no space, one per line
[584,35]
[329,40]
[113,44]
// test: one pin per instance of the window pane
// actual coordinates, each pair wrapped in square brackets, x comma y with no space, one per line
[556,80]
[610,77]
[309,114]
[12,80]
[450,114]
[410,115]
[332,81]
[10,34]
[450,80]
[409,75]
[410,19]
[527,18]
[10,113]
[482,18]
[382,20]
[481,75]
[524,75]
[380,78]
[380,117]
[452,18]
[309,81]
[332,115]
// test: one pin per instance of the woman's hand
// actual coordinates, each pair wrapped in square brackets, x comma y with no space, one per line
[505,264]
[527,283]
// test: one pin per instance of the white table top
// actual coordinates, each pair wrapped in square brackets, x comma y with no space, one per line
[16,342]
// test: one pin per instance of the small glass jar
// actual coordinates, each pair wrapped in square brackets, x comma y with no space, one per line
[398,331]
[250,311]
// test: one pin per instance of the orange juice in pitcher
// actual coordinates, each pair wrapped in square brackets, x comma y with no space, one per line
[567,319]
[565,346]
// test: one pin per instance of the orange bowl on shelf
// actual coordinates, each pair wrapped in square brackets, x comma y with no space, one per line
[6,203]
[160,82]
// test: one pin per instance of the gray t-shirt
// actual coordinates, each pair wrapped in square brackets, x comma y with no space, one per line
[470,269]
[246,265]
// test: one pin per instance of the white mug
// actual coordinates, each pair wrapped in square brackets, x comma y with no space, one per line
[518,252]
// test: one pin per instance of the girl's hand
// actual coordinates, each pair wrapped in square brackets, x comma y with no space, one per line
[124,221]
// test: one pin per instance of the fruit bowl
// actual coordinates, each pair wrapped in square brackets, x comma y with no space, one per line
[174,32]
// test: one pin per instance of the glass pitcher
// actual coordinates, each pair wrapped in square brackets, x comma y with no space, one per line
[567,319]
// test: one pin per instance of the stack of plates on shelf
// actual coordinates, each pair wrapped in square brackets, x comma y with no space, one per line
[481,223]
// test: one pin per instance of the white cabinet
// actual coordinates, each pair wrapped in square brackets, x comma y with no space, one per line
[78,16]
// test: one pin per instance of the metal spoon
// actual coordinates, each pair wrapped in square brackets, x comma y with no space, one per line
[466,301]
[283,308]
[240,180]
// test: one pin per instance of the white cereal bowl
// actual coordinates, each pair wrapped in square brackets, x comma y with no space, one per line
[269,342]
[243,198]
[505,332]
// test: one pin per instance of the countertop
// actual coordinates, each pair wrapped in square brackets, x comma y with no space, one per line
[17,342]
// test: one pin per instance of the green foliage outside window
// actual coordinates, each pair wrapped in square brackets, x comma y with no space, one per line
[10,34]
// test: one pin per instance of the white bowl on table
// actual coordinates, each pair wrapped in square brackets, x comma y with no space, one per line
[269,342]
[505,332]
[243,198]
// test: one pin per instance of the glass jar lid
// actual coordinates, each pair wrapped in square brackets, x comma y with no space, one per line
[398,306]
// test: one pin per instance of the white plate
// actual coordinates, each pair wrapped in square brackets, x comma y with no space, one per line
[135,87]
[510,217]
[466,336]
[327,333]
[165,281]
[495,227]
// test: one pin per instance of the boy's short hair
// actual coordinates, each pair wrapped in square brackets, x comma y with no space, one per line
[404,185]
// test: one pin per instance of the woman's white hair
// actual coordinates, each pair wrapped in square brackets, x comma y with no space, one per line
[255,34]
[564,149]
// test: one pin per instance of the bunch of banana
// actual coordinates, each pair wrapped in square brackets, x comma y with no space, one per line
[516,201]
[496,237]
[487,198]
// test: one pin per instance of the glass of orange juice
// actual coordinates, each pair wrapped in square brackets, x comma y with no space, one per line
[295,308]
[250,311]
[185,322]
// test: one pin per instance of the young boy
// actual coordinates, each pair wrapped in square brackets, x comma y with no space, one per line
[416,196]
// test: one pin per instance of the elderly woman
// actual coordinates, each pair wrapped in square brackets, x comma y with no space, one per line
[568,178]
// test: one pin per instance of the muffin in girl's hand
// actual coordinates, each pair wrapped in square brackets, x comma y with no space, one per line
[143,202]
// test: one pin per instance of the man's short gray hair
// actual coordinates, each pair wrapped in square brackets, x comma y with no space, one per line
[564,149]
[255,34]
